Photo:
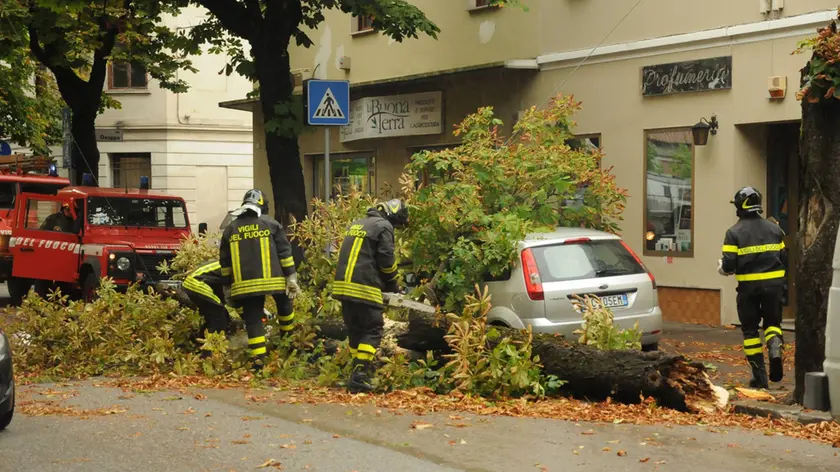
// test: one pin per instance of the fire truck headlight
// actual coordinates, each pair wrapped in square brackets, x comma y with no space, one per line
[123,263]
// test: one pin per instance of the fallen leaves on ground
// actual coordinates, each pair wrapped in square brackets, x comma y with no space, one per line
[270,463]
[54,407]
[420,425]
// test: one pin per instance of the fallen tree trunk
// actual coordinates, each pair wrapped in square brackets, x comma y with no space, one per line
[626,376]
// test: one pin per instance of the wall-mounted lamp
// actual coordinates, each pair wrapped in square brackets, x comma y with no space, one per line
[701,130]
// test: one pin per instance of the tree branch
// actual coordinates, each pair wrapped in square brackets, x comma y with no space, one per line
[99,68]
[232,14]
[69,84]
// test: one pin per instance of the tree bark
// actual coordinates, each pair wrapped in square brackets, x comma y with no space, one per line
[269,47]
[626,376]
[819,215]
[85,156]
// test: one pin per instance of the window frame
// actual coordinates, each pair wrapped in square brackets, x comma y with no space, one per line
[480,5]
[358,29]
[654,253]
[117,169]
[131,86]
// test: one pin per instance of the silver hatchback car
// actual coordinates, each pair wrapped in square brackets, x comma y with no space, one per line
[554,267]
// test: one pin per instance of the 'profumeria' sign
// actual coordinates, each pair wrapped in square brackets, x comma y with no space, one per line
[690,76]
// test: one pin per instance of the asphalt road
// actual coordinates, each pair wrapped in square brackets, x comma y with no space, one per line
[222,431]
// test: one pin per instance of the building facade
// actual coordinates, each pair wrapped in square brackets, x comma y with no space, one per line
[646,73]
[184,143]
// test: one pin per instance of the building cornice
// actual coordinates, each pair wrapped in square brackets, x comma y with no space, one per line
[795,26]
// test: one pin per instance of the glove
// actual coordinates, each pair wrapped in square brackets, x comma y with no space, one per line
[392,287]
[720,268]
[228,301]
[292,287]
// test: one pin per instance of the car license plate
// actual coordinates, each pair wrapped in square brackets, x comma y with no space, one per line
[613,301]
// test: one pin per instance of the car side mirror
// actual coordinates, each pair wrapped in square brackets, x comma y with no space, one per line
[202,228]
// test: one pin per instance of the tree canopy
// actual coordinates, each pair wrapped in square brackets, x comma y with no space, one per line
[75,40]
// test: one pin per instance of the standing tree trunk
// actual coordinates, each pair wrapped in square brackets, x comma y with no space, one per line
[85,155]
[281,122]
[819,215]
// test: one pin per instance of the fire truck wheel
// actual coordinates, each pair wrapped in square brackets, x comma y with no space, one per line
[89,287]
[43,287]
[18,289]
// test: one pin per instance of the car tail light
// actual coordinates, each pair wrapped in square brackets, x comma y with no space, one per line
[577,241]
[532,276]
[635,256]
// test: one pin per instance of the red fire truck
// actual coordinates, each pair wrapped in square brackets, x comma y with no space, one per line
[121,233]
[19,174]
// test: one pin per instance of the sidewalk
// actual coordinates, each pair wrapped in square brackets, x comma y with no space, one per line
[721,348]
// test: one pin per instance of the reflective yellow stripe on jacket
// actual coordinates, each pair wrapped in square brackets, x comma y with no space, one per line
[236,262]
[287,262]
[353,290]
[754,249]
[257,286]
[778,274]
[192,284]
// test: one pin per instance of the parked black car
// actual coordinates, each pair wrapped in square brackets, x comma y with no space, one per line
[7,382]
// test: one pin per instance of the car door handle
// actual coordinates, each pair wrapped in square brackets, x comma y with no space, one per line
[27,249]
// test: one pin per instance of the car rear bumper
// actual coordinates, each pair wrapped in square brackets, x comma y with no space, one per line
[650,324]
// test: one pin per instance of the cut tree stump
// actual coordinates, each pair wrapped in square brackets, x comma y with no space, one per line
[627,376]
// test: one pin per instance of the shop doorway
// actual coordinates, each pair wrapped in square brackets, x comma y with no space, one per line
[782,195]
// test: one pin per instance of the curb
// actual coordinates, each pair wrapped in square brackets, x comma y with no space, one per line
[777,411]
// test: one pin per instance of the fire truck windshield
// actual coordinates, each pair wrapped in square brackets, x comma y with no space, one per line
[136,212]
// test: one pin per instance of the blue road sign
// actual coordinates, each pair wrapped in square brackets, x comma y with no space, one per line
[5,149]
[328,102]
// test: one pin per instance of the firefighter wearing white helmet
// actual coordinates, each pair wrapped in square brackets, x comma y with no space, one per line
[257,258]
[754,251]
[367,267]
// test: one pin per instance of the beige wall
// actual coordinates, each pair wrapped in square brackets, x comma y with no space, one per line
[585,23]
[466,39]
[610,89]
[613,105]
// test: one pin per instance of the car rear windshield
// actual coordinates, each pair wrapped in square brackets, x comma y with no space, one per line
[137,212]
[587,260]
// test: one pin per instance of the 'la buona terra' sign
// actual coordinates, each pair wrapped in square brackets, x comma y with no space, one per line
[690,76]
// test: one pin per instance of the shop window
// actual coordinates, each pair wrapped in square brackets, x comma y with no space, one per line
[126,169]
[346,172]
[669,181]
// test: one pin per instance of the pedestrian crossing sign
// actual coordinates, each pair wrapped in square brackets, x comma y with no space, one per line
[328,102]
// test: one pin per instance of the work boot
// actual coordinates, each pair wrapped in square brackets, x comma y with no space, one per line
[774,352]
[759,373]
[258,362]
[359,381]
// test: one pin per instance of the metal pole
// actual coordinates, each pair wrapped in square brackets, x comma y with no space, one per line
[327,186]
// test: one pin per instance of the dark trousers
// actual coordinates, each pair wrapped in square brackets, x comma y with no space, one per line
[285,312]
[216,317]
[364,326]
[757,305]
[252,314]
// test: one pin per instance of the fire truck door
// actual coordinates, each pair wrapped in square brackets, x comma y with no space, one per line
[42,244]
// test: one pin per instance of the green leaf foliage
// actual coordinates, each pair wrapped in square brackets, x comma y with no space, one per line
[487,194]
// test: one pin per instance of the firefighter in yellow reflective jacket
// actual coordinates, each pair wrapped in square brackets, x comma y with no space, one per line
[367,267]
[754,250]
[205,288]
[257,258]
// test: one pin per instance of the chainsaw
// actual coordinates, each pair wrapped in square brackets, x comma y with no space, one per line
[400,301]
